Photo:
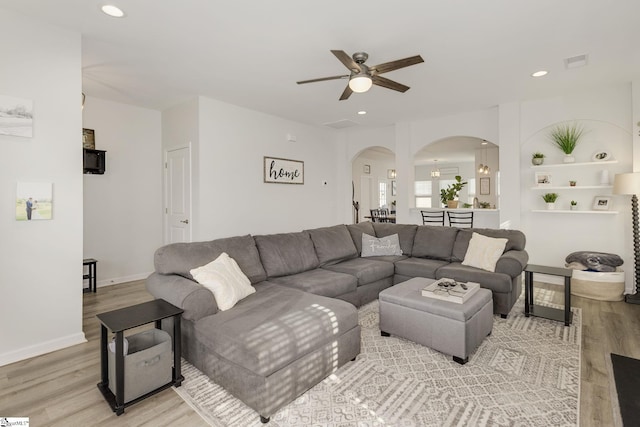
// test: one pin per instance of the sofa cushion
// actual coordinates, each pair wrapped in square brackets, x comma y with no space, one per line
[516,240]
[319,282]
[333,244]
[405,232]
[356,231]
[434,242]
[224,278]
[383,246]
[497,282]
[419,267]
[270,329]
[286,253]
[365,270]
[181,258]
[483,252]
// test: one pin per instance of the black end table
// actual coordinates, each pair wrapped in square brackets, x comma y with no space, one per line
[542,311]
[130,317]
[91,263]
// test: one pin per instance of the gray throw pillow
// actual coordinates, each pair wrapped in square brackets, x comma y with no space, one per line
[372,246]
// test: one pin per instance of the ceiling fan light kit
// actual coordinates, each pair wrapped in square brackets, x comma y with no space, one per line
[360,83]
[363,77]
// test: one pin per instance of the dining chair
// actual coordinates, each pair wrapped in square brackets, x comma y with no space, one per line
[379,215]
[460,219]
[432,217]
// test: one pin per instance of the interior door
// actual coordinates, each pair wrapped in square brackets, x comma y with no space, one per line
[178,195]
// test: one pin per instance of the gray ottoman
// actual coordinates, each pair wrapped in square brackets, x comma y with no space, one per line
[451,328]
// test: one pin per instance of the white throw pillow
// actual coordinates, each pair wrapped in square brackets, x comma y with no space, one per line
[483,252]
[372,246]
[224,278]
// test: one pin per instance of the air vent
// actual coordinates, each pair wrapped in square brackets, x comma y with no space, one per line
[576,61]
[341,124]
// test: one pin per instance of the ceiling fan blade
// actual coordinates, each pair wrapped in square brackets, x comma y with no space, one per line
[322,79]
[394,65]
[347,60]
[346,94]
[389,84]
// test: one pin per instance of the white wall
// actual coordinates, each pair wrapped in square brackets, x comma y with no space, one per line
[606,115]
[41,262]
[230,197]
[123,207]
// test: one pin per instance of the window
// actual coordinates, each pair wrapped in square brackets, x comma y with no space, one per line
[422,190]
[382,193]
[471,192]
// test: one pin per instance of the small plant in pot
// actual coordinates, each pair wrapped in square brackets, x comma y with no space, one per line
[537,158]
[550,199]
[574,205]
[449,195]
[566,138]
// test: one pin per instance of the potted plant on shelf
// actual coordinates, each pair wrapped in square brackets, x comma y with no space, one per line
[566,137]
[449,195]
[574,205]
[537,158]
[550,200]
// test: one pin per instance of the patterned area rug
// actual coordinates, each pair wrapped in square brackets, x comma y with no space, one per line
[526,373]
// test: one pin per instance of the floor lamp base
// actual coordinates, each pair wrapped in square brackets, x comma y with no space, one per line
[632,298]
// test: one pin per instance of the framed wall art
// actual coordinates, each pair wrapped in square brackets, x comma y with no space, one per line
[16,116]
[366,169]
[485,186]
[543,179]
[89,139]
[601,203]
[34,201]
[283,171]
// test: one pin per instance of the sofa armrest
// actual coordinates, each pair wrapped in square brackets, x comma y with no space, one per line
[512,263]
[196,300]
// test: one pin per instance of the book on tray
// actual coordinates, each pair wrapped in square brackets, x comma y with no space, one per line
[450,290]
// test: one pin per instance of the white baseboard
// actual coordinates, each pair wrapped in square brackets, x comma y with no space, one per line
[41,348]
[125,279]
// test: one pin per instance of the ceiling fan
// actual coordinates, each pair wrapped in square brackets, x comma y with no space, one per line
[362,77]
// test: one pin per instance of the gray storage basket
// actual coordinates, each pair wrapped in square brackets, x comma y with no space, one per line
[147,366]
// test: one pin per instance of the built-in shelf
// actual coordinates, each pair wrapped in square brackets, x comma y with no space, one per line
[562,165]
[574,212]
[576,187]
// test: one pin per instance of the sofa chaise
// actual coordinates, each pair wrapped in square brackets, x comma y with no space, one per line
[301,323]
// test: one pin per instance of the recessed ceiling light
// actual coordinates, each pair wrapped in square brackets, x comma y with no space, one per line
[362,112]
[484,143]
[112,10]
[540,73]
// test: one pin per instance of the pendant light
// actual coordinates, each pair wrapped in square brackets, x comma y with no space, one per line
[484,169]
[435,173]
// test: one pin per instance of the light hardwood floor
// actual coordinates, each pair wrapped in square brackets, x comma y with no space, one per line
[59,388]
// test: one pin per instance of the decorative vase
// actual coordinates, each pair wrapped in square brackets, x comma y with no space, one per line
[551,206]
[572,183]
[452,204]
[574,207]
[537,161]
[604,177]
[568,158]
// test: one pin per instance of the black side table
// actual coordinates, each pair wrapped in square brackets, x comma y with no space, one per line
[130,317]
[92,274]
[542,311]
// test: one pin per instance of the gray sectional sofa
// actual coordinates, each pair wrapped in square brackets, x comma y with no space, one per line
[301,324]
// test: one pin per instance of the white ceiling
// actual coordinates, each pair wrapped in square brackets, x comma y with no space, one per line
[250,53]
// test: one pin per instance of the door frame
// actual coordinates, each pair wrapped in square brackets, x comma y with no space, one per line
[165,195]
